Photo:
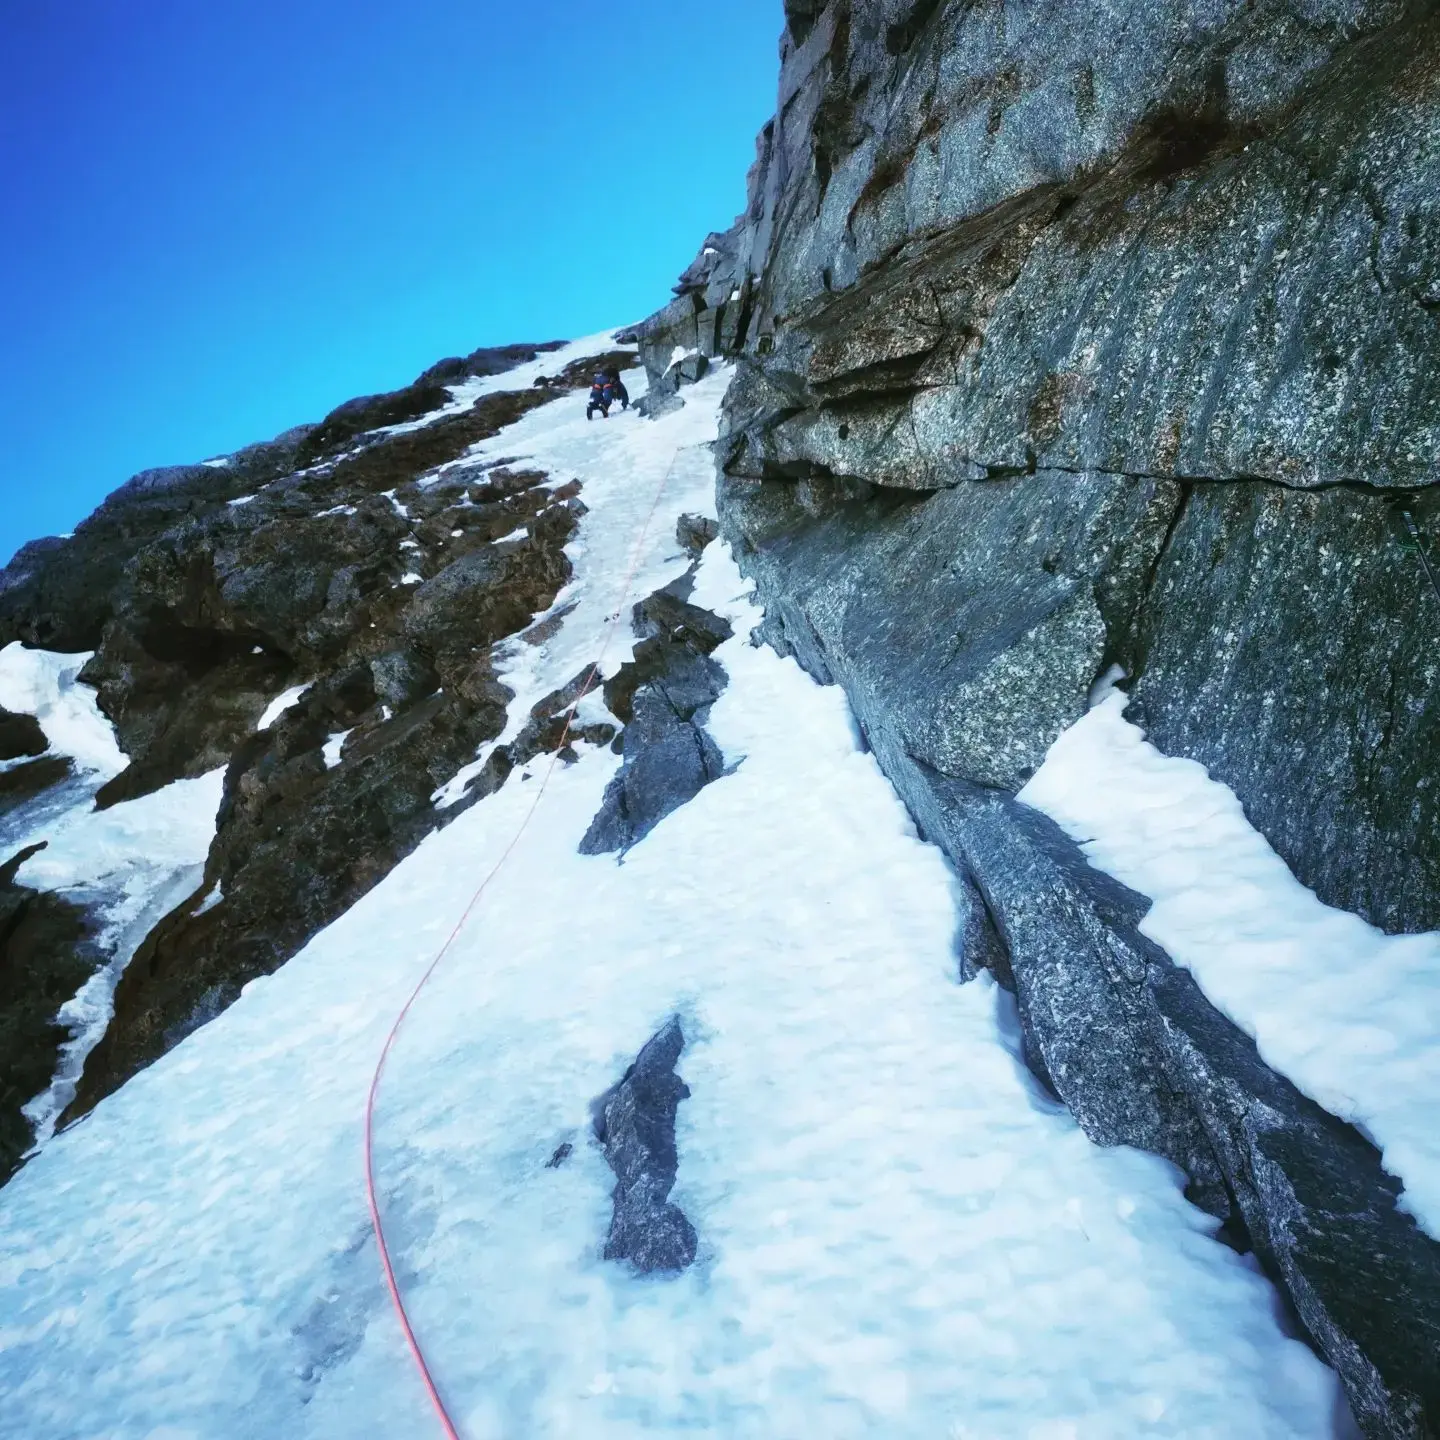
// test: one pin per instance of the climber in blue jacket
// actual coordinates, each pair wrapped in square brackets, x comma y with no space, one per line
[602,396]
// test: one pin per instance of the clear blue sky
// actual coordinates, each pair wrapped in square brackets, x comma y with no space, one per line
[219,218]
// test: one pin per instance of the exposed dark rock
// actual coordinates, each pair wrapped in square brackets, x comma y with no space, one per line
[1126,1039]
[228,606]
[20,735]
[46,954]
[58,594]
[694,532]
[297,842]
[664,696]
[370,412]
[635,1125]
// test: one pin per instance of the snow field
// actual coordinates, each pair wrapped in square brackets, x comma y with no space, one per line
[900,1235]
[1349,1014]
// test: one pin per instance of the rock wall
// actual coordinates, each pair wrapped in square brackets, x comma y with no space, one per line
[1077,334]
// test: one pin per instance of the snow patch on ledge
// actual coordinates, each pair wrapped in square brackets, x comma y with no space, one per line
[280,704]
[1349,1014]
[330,751]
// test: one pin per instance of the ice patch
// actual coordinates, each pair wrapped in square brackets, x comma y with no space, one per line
[411,578]
[332,747]
[241,500]
[44,684]
[1351,1015]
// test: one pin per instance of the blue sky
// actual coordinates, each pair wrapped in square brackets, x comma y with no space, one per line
[220,219]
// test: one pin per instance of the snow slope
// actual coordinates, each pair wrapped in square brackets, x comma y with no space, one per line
[1351,1015]
[900,1235]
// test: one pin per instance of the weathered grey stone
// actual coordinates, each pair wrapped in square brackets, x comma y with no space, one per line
[1290,645]
[635,1125]
[664,695]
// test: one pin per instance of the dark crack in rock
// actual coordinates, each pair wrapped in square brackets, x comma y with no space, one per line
[635,1126]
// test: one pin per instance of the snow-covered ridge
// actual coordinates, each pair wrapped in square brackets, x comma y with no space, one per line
[1348,1013]
[464,394]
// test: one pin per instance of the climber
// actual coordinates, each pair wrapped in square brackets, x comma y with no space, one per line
[602,396]
[618,386]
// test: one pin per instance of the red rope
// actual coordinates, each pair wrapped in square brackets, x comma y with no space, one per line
[417,1351]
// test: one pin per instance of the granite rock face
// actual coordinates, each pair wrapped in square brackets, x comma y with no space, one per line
[1080,335]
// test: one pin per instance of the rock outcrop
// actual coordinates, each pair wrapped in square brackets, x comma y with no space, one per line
[364,564]
[634,1123]
[663,696]
[1084,335]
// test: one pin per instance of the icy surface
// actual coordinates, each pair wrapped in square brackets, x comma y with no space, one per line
[637,476]
[900,1235]
[1351,1015]
[43,684]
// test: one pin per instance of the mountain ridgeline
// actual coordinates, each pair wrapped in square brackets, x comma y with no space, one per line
[1069,339]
